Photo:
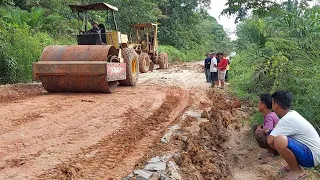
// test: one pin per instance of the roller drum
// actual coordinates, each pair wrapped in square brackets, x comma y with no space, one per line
[78,68]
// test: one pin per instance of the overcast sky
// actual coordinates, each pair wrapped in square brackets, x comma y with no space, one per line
[227,22]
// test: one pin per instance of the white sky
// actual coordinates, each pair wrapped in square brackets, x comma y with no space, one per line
[227,22]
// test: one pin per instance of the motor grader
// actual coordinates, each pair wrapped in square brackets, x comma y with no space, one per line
[144,40]
[98,63]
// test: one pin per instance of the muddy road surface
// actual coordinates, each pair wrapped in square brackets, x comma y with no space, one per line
[96,136]
[108,136]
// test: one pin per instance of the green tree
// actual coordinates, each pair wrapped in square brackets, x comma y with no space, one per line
[261,8]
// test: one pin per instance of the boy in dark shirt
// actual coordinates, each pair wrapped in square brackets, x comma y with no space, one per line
[207,63]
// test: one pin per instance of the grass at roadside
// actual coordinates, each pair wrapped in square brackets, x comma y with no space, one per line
[175,54]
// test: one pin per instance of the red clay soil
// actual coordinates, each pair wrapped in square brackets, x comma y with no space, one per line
[204,154]
[90,136]
[9,93]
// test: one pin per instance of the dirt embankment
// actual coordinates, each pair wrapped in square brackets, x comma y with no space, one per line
[199,146]
[9,93]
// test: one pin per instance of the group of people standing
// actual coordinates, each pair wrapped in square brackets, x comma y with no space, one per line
[216,67]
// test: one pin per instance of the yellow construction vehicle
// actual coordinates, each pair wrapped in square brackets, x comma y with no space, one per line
[144,40]
[99,62]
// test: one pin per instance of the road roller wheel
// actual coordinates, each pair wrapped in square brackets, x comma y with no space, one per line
[155,58]
[162,60]
[75,69]
[131,58]
[144,62]
[78,84]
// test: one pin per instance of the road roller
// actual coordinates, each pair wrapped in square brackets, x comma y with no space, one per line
[99,63]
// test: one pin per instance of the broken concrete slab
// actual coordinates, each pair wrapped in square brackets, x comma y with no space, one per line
[143,174]
[155,176]
[164,177]
[165,158]
[193,114]
[166,138]
[155,160]
[174,171]
[159,166]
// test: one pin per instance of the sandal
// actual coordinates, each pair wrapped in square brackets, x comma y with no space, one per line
[297,177]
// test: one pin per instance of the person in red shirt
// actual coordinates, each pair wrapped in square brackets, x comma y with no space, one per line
[222,69]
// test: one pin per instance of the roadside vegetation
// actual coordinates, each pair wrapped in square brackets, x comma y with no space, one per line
[279,49]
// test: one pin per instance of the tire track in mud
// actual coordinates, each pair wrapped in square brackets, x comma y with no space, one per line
[116,155]
[41,143]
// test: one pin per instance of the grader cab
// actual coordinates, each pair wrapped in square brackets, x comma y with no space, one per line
[144,40]
[99,62]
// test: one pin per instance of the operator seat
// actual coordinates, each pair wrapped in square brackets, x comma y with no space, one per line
[103,33]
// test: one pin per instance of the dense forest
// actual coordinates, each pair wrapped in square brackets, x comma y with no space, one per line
[186,31]
[278,47]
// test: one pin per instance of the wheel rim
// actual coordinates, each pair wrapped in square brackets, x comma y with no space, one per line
[134,66]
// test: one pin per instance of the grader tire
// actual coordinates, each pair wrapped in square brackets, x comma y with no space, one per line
[151,67]
[166,65]
[144,62]
[162,61]
[131,58]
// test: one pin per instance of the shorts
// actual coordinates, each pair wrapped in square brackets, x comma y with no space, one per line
[214,76]
[222,74]
[302,152]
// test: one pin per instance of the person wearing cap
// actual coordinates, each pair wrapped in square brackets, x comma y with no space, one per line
[207,63]
[95,27]
[214,70]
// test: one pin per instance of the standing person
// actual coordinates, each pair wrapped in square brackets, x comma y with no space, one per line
[294,137]
[218,57]
[222,68]
[214,70]
[207,63]
[227,72]
[270,121]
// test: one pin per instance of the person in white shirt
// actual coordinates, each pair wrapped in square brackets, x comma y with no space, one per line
[214,70]
[294,137]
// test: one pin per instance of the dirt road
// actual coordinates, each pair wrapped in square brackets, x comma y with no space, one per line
[107,136]
[100,135]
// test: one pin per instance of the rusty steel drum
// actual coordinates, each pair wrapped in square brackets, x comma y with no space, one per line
[79,68]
